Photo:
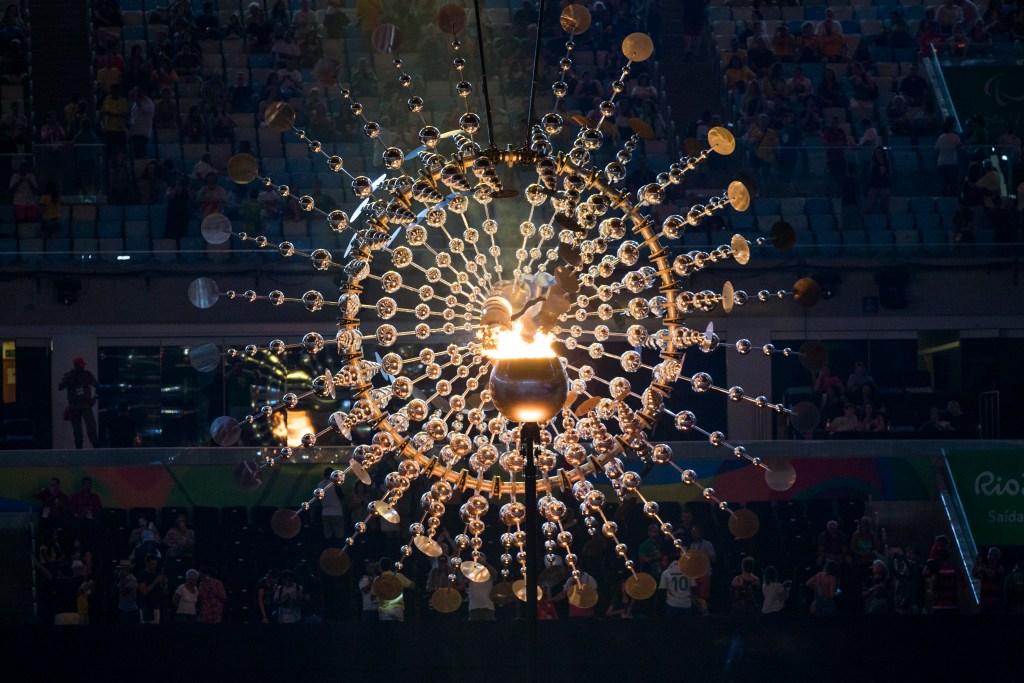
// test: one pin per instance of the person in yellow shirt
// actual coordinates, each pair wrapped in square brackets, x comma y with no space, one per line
[50,204]
[115,112]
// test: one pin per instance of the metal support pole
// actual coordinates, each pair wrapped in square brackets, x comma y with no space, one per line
[529,436]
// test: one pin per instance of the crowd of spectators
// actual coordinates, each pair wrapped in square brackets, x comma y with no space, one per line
[167,572]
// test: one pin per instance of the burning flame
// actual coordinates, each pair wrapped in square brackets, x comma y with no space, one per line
[510,344]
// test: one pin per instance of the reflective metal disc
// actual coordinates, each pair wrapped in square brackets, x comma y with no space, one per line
[806,292]
[247,475]
[446,600]
[744,523]
[243,168]
[641,586]
[637,47]
[582,596]
[503,594]
[694,564]
[389,513]
[427,545]
[780,475]
[588,405]
[279,116]
[739,196]
[728,297]
[204,358]
[286,523]
[805,416]
[216,228]
[225,431]
[721,140]
[334,562]
[385,38]
[552,576]
[360,472]
[813,355]
[641,128]
[386,586]
[475,571]
[575,19]
[203,292]
[332,390]
[740,249]
[519,588]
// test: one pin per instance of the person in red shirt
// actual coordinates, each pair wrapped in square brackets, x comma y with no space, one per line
[56,505]
[85,505]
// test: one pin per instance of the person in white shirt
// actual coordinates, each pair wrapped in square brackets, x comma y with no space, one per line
[677,591]
[701,587]
[478,593]
[775,594]
[332,508]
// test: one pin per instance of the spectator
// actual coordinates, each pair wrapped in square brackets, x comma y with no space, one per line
[963,426]
[746,589]
[80,384]
[830,41]
[621,604]
[126,588]
[266,590]
[948,148]
[85,504]
[107,13]
[949,15]
[288,599]
[830,91]
[304,21]
[935,427]
[212,598]
[907,582]
[762,143]
[872,422]
[846,424]
[897,115]
[943,581]
[56,508]
[371,607]
[208,24]
[241,94]
[865,544]
[991,574]
[879,180]
[784,46]
[824,586]
[478,594]
[23,189]
[212,197]
[833,545]
[394,609]
[115,112]
[896,32]
[776,594]
[676,587]
[143,539]
[800,87]
[193,128]
[152,588]
[259,33]
[108,75]
[143,112]
[702,585]
[877,592]
[332,507]
[186,599]
[49,205]
[52,132]
[808,46]
[759,55]
[180,540]
[865,90]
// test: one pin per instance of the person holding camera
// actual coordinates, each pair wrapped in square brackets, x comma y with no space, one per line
[80,384]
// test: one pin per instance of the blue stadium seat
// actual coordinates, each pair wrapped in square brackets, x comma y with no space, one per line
[8,250]
[901,221]
[765,206]
[854,241]
[920,205]
[818,205]
[928,221]
[828,242]
[879,238]
[822,222]
[874,222]
[108,229]
[742,221]
[136,213]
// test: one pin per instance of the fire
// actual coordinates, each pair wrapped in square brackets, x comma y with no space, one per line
[510,344]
